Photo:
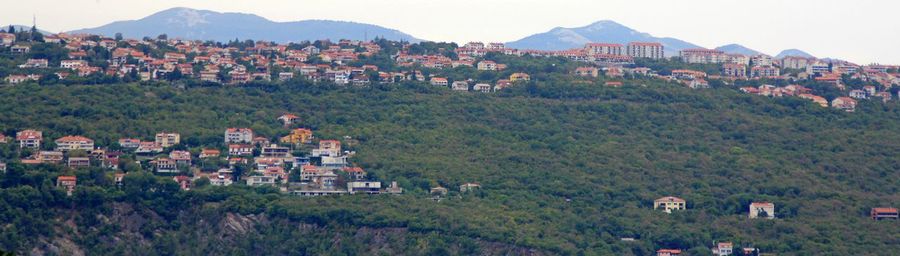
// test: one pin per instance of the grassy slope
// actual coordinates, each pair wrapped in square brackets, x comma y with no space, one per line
[612,151]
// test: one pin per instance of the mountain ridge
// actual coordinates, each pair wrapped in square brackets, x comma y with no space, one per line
[195,24]
[607,31]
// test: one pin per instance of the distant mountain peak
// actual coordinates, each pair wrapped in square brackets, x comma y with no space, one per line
[603,31]
[187,23]
[738,49]
[794,53]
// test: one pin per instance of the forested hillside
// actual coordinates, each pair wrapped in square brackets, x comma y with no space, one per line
[565,168]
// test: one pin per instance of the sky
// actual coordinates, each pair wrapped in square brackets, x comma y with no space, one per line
[862,31]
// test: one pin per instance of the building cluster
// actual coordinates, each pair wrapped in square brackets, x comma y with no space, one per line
[756,210]
[303,166]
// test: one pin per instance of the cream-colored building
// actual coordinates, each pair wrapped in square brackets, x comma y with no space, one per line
[669,204]
[762,210]
[168,139]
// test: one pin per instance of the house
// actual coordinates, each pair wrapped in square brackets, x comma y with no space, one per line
[355,173]
[29,139]
[857,94]
[870,90]
[460,86]
[438,192]
[276,151]
[366,187]
[482,87]
[333,147]
[439,81]
[466,187]
[223,177]
[515,77]
[668,252]
[502,83]
[587,71]
[74,143]
[3,138]
[723,249]
[238,135]
[20,49]
[261,180]
[487,65]
[734,70]
[79,162]
[698,84]
[50,157]
[165,165]
[183,181]
[35,63]
[844,103]
[884,213]
[166,140]
[762,210]
[73,64]
[817,99]
[685,74]
[297,136]
[7,39]
[284,76]
[261,141]
[209,153]
[67,182]
[289,119]
[240,150]
[394,188]
[148,147]
[2,167]
[129,143]
[669,204]
[18,79]
[181,157]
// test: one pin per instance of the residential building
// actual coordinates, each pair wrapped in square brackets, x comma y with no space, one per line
[857,94]
[668,252]
[238,135]
[439,191]
[439,81]
[482,87]
[148,147]
[129,143]
[67,182]
[793,62]
[466,187]
[364,187]
[274,150]
[723,249]
[288,119]
[297,136]
[73,64]
[184,182]
[50,157]
[460,86]
[240,150]
[165,165]
[686,74]
[669,204]
[2,167]
[604,49]
[646,50]
[355,173]
[35,63]
[181,157]
[765,71]
[502,83]
[394,188]
[20,49]
[74,143]
[762,60]
[29,139]
[487,65]
[734,70]
[884,213]
[515,77]
[703,56]
[78,162]
[844,103]
[587,71]
[261,180]
[762,210]
[166,140]
[209,153]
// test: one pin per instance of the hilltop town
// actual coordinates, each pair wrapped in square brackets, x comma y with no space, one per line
[294,161]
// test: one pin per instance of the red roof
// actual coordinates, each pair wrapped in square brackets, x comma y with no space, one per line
[74,139]
[67,178]
[878,210]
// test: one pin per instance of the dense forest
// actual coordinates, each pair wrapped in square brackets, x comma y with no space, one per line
[565,168]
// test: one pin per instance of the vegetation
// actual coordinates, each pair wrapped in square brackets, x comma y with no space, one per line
[565,168]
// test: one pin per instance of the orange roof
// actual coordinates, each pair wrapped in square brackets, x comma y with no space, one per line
[67,178]
[884,210]
[73,139]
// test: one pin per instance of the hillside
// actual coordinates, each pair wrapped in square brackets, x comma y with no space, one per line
[565,169]
[599,32]
[208,25]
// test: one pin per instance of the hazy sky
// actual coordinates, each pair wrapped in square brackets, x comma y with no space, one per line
[863,31]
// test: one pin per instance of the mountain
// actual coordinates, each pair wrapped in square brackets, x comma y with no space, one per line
[209,25]
[26,28]
[738,49]
[793,52]
[602,31]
